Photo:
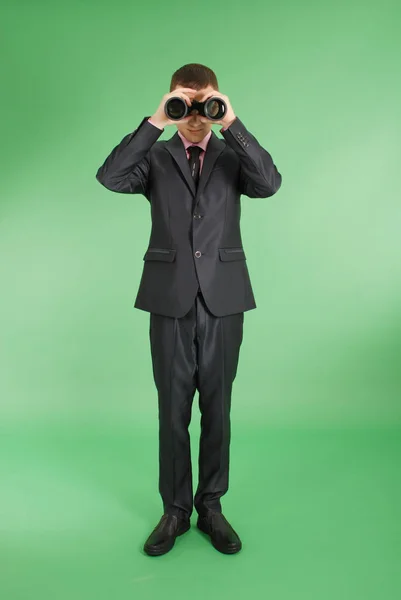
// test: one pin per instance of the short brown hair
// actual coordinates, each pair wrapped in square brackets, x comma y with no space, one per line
[194,76]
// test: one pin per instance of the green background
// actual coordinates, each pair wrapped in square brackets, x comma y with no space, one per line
[316,450]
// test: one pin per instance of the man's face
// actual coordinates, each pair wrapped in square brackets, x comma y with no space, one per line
[197,126]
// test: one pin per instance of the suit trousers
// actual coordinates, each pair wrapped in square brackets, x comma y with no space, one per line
[196,352]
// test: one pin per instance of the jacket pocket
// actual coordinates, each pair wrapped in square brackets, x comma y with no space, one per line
[232,254]
[166,254]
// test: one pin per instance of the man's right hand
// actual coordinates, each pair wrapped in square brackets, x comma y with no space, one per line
[160,119]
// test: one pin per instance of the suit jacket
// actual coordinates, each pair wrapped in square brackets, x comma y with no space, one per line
[195,240]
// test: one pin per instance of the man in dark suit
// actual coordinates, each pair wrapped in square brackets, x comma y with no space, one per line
[195,285]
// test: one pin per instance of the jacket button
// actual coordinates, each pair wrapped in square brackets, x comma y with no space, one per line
[198,254]
[196,216]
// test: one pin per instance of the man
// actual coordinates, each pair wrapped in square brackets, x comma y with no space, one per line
[195,285]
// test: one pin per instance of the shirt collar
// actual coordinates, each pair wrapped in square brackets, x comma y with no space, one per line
[203,143]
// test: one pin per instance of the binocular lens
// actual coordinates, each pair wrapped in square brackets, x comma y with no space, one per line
[214,108]
[175,108]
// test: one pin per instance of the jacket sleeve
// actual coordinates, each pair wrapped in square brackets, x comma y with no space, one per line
[126,169]
[259,177]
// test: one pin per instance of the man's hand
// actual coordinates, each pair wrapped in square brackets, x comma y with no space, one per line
[229,117]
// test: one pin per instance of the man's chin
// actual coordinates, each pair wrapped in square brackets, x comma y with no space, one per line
[195,133]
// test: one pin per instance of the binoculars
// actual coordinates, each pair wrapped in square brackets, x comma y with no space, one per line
[213,108]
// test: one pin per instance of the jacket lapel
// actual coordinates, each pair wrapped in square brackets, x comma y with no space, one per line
[176,148]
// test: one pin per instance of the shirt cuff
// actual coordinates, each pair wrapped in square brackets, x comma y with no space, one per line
[154,125]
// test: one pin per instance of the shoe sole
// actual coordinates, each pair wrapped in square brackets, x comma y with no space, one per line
[159,552]
[223,550]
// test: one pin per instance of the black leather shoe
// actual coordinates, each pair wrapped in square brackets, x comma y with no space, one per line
[222,535]
[162,538]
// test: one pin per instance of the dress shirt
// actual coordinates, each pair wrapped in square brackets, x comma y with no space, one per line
[202,144]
